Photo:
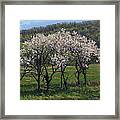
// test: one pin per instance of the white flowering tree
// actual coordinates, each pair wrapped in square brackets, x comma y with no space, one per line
[74,47]
[61,54]
[36,57]
[34,54]
[57,50]
[83,52]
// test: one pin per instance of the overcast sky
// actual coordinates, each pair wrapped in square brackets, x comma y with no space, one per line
[27,24]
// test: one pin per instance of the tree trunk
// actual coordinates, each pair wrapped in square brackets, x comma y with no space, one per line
[78,73]
[61,76]
[65,80]
[65,83]
[38,87]
[61,81]
[78,77]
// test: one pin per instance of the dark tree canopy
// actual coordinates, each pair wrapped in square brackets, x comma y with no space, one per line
[90,29]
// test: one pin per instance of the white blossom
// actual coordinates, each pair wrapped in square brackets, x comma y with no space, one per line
[61,47]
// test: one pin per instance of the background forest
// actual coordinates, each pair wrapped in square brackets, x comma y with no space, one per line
[90,29]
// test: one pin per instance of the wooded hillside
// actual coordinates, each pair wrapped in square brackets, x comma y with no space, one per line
[90,29]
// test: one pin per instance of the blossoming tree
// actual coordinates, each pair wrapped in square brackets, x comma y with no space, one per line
[57,50]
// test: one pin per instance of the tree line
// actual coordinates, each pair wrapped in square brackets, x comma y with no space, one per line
[90,29]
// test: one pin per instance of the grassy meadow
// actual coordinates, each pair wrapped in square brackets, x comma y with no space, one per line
[28,86]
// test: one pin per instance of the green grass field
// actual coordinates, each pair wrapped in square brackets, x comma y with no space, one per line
[28,86]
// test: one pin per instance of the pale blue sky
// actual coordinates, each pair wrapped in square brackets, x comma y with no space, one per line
[27,24]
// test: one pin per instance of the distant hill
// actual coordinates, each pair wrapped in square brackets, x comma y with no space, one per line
[90,29]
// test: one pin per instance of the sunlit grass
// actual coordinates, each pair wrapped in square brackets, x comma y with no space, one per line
[28,86]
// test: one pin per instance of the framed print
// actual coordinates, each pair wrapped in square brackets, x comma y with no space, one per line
[59,59]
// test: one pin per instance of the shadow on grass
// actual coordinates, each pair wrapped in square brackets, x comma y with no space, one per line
[89,92]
